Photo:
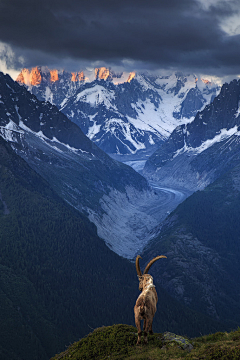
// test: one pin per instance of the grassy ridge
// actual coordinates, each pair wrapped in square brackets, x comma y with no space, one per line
[119,342]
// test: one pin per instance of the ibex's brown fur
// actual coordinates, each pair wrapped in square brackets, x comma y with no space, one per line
[146,304]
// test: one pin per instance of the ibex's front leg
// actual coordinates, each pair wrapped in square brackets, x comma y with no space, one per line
[138,325]
[150,329]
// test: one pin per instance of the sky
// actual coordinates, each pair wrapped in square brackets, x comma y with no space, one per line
[192,36]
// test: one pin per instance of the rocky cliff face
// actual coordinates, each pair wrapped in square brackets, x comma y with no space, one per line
[197,153]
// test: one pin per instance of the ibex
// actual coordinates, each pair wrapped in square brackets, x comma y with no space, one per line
[146,303]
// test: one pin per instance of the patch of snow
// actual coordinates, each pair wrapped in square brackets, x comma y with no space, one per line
[17,111]
[12,126]
[151,118]
[224,134]
[97,95]
[10,131]
[10,88]
[48,95]
[63,103]
[238,110]
[94,129]
[150,139]
[126,132]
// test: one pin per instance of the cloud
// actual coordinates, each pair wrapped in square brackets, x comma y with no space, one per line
[8,62]
[194,35]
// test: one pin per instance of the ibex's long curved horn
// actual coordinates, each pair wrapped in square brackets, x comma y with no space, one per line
[138,266]
[152,262]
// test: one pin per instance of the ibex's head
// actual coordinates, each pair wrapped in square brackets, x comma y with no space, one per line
[141,276]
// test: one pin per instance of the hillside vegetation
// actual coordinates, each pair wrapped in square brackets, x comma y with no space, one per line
[119,342]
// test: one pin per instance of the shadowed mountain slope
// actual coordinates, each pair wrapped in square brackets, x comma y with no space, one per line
[201,239]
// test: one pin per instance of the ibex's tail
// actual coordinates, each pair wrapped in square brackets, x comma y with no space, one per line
[142,306]
[142,309]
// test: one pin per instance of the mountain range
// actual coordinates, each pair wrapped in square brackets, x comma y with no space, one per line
[125,114]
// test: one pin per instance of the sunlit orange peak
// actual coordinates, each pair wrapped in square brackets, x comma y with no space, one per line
[131,76]
[54,75]
[35,76]
[74,76]
[24,77]
[81,76]
[205,81]
[78,76]
[20,78]
[102,73]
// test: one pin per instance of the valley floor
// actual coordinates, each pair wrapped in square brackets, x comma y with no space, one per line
[132,221]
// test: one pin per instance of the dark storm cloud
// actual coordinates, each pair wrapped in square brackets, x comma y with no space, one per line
[160,33]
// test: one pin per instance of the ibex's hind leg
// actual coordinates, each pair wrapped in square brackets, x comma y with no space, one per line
[146,331]
[138,325]
[144,325]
